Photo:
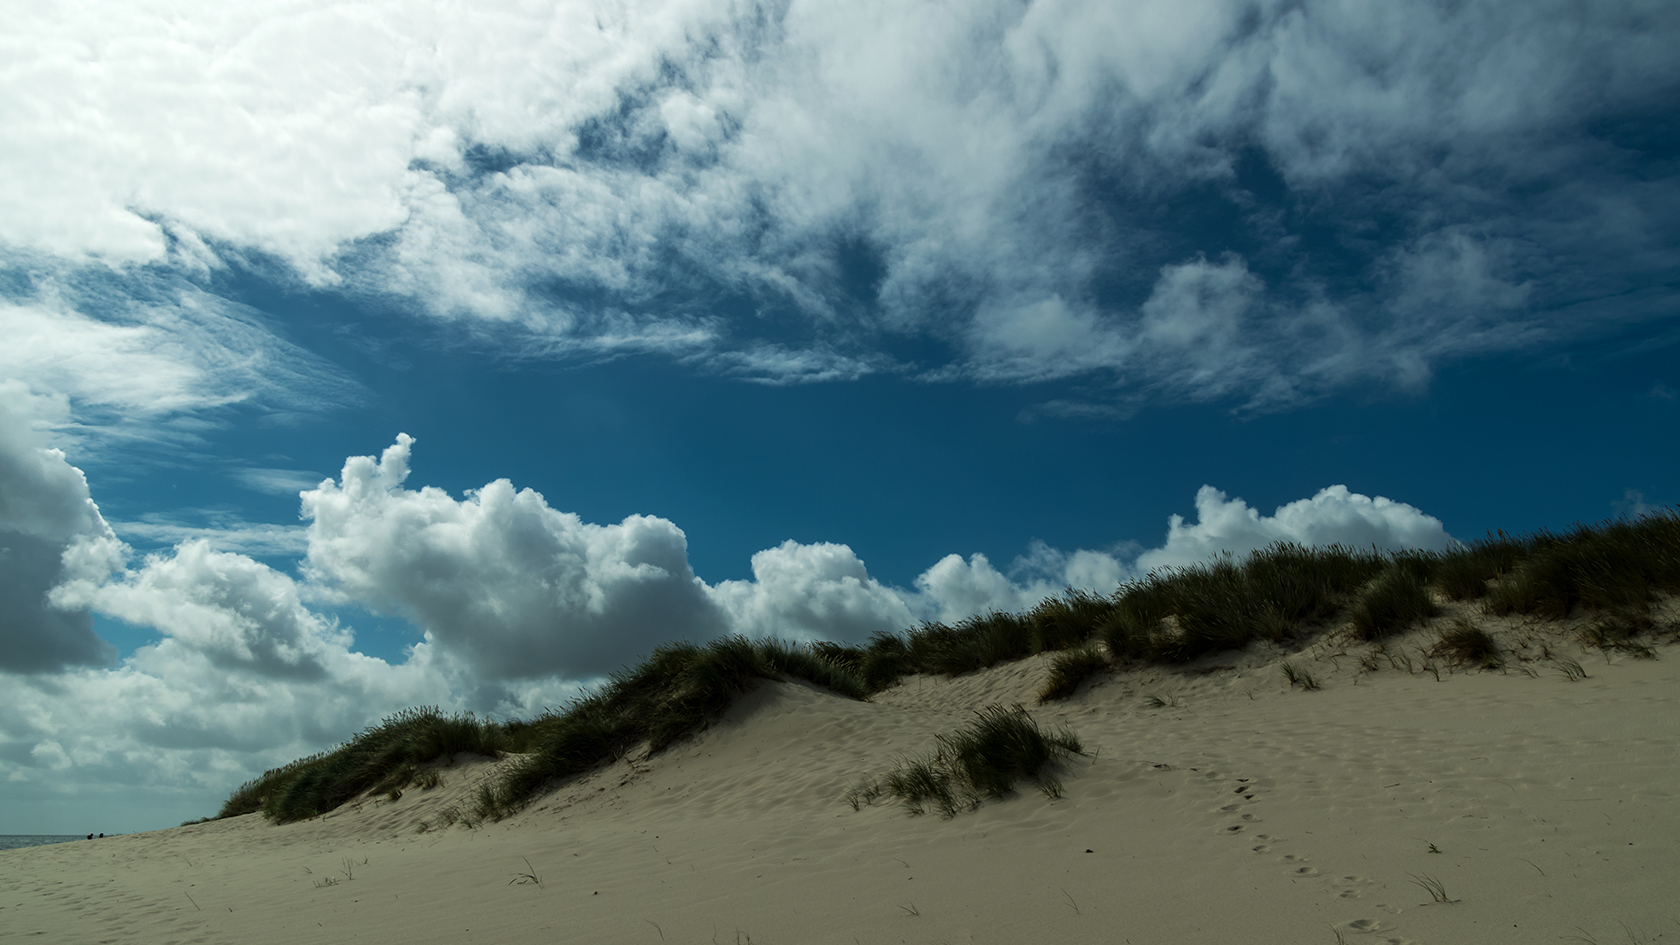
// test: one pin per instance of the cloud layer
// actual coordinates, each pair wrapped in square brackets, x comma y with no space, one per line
[1220,199]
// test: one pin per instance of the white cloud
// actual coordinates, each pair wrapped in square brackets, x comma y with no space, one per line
[1334,516]
[245,676]
[811,592]
[958,588]
[224,533]
[273,481]
[237,613]
[51,532]
[500,579]
[1634,504]
[171,731]
[955,589]
[207,121]
[41,495]
[154,358]
[1194,321]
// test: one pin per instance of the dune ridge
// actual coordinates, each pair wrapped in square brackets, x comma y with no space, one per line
[1216,802]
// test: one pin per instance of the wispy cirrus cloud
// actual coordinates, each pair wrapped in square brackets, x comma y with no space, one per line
[149,356]
[1234,200]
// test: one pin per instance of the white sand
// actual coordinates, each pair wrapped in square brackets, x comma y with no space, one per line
[1246,813]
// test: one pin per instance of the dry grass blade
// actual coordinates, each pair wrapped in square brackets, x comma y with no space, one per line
[528,877]
[1431,885]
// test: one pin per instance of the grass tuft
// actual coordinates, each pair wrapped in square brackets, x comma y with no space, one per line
[1397,599]
[1299,677]
[1069,670]
[1431,885]
[984,760]
[1568,668]
[1467,644]
[381,760]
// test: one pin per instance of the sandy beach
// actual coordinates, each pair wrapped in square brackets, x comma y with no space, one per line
[1215,804]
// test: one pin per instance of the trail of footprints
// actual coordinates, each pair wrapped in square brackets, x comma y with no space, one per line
[1351,888]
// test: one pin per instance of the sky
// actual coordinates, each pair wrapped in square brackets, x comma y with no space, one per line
[357,356]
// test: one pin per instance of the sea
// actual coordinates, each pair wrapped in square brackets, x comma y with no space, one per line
[14,841]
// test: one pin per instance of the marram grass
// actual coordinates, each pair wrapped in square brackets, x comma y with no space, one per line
[986,759]
[381,760]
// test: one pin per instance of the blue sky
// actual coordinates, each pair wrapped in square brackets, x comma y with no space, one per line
[365,356]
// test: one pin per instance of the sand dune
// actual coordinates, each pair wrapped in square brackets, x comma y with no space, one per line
[1241,810]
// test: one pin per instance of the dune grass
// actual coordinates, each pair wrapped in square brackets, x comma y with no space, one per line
[1071,669]
[1396,600]
[380,760]
[984,760]
[1611,572]
[1465,643]
[675,693]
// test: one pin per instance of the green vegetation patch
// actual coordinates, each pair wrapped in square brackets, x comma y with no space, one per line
[679,690]
[1465,643]
[382,760]
[1395,601]
[984,760]
[1071,669]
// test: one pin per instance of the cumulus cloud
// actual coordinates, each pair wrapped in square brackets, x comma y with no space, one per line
[1006,179]
[51,533]
[235,611]
[811,592]
[955,588]
[500,578]
[1334,516]
[518,589]
[170,731]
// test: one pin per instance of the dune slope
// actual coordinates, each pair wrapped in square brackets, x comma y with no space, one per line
[1216,804]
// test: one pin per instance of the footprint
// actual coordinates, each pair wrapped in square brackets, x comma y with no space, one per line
[1351,886]
[1366,925]
[1299,862]
[1263,848]
[1252,819]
